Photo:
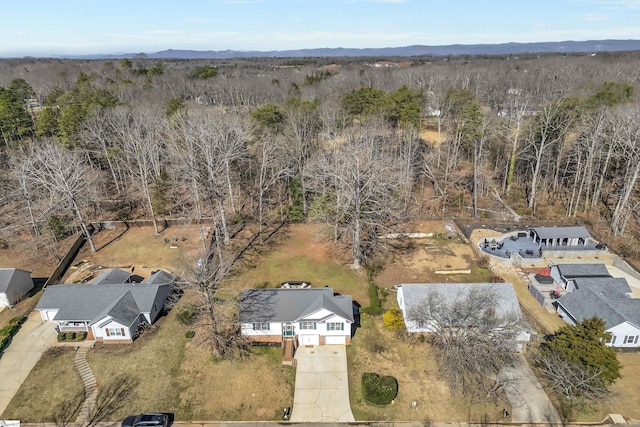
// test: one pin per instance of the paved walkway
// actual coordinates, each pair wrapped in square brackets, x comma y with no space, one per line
[529,402]
[322,385]
[89,381]
[34,337]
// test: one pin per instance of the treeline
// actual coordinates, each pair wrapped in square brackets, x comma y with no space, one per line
[362,149]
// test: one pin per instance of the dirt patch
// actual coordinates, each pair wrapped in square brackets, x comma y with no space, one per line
[418,259]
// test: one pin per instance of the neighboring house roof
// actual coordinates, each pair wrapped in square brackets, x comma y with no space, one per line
[617,285]
[611,305]
[92,303]
[582,270]
[112,276]
[415,293]
[290,305]
[7,276]
[561,232]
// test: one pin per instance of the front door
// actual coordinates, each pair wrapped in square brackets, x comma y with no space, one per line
[287,330]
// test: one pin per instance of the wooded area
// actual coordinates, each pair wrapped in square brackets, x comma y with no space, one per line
[362,148]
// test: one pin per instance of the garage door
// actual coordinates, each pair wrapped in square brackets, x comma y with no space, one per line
[336,339]
[309,339]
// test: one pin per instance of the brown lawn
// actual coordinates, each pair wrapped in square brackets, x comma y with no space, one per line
[140,248]
[179,375]
[304,252]
[624,398]
[412,363]
[51,382]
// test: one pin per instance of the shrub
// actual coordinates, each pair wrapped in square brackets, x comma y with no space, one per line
[81,336]
[375,303]
[187,315]
[393,320]
[379,390]
[190,334]
[62,336]
[71,336]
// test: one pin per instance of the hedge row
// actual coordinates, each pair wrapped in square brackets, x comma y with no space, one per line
[8,332]
[71,336]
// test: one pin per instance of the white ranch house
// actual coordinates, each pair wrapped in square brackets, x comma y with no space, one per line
[414,294]
[111,313]
[609,299]
[292,317]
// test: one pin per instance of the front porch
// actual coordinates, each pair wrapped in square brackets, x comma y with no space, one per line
[72,327]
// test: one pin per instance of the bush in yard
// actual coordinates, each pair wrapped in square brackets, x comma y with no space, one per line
[379,390]
[187,315]
[375,303]
[393,320]
[81,336]
[71,336]
[62,336]
[190,334]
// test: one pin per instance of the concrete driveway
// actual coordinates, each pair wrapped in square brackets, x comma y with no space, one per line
[530,404]
[33,338]
[322,385]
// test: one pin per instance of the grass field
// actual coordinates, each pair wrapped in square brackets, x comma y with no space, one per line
[52,381]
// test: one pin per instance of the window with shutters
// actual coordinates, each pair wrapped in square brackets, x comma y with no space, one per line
[335,326]
[307,324]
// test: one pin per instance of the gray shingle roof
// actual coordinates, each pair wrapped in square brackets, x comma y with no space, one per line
[125,310]
[415,293]
[561,232]
[605,284]
[160,277]
[6,277]
[583,270]
[112,276]
[92,303]
[610,305]
[289,305]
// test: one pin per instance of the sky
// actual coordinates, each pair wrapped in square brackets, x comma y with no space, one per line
[76,27]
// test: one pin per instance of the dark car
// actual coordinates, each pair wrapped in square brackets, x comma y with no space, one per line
[147,420]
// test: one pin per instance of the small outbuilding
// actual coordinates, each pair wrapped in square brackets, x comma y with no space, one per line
[15,284]
[551,237]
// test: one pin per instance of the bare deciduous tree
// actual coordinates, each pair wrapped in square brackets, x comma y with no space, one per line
[63,175]
[571,378]
[364,183]
[474,342]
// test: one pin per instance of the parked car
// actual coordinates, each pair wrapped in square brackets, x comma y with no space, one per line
[147,420]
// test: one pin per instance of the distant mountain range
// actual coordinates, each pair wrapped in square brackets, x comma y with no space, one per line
[590,46]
